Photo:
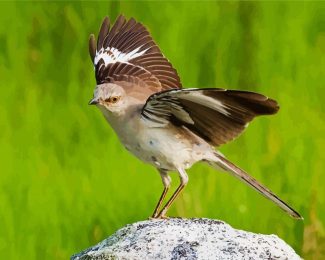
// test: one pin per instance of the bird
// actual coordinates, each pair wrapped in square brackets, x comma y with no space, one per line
[163,124]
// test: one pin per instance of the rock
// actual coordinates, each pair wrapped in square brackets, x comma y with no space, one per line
[177,239]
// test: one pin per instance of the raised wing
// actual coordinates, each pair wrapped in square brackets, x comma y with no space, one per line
[216,115]
[127,52]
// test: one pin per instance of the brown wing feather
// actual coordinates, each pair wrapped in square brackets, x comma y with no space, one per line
[211,125]
[216,115]
[103,32]
[129,42]
[241,106]
[92,47]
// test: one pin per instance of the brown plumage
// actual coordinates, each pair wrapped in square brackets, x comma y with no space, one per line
[158,121]
[217,122]
[127,36]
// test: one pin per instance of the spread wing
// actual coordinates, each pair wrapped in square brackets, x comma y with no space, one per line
[216,115]
[126,52]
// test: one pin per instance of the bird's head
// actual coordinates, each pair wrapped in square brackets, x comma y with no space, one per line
[109,98]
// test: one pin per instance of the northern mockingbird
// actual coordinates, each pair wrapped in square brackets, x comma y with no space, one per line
[141,96]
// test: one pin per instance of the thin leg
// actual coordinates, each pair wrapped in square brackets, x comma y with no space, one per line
[166,181]
[184,180]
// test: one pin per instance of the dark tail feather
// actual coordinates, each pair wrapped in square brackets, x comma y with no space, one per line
[229,167]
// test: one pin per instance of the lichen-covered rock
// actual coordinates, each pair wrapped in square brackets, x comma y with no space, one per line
[177,239]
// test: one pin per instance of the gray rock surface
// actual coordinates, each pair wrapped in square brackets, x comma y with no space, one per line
[177,239]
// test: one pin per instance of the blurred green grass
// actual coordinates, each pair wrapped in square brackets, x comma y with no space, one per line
[66,182]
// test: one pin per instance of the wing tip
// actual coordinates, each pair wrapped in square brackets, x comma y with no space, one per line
[119,21]
[120,16]
[272,105]
[92,47]
[103,31]
[262,104]
[105,20]
[259,103]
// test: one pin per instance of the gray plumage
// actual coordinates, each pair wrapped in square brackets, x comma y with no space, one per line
[171,128]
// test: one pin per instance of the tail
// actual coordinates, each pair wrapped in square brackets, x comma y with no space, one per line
[223,163]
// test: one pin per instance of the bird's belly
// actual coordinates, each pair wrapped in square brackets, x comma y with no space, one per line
[161,148]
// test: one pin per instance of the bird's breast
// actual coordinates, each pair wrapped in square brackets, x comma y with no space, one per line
[166,147]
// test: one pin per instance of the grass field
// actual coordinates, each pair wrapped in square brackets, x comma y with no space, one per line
[66,182]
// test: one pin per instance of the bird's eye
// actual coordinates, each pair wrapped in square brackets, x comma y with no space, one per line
[112,99]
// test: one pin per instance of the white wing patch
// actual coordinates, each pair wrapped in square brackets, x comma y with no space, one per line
[112,55]
[199,98]
[162,105]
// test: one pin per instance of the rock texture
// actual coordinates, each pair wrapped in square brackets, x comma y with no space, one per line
[190,239]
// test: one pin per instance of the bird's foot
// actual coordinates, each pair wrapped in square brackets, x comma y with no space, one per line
[163,217]
[158,216]
[154,216]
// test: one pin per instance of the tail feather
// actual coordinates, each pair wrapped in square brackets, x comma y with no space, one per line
[229,167]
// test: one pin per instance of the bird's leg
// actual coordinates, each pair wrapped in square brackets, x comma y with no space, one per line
[166,181]
[184,180]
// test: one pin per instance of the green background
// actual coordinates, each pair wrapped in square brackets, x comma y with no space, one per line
[66,182]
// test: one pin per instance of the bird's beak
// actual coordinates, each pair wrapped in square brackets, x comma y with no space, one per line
[93,101]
